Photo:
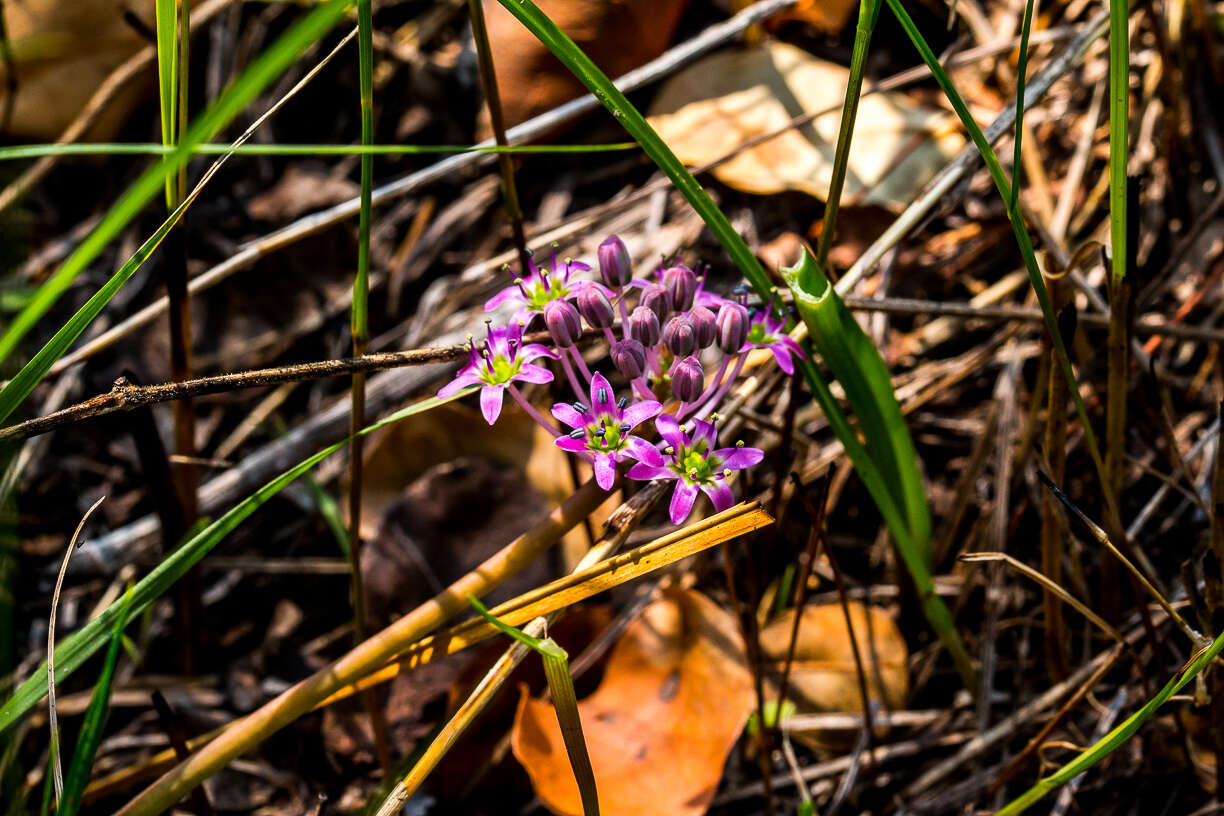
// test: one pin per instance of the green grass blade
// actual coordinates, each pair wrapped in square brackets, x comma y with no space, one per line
[1023,239]
[876,482]
[33,151]
[267,67]
[564,701]
[1119,132]
[859,368]
[1115,738]
[95,719]
[78,647]
[1026,27]
[869,13]
[167,80]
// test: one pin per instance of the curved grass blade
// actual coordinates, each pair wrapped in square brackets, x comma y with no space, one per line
[1023,240]
[859,368]
[266,68]
[82,644]
[1114,739]
[95,718]
[632,120]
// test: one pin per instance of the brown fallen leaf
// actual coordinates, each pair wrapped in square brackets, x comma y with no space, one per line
[727,98]
[674,698]
[618,35]
[63,50]
[824,677]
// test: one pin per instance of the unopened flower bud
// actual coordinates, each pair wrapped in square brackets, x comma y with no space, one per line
[681,284]
[644,326]
[629,357]
[733,327]
[615,265]
[655,297]
[705,326]
[594,305]
[679,336]
[688,380]
[563,322]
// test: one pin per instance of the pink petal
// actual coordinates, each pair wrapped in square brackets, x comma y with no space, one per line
[533,374]
[738,458]
[571,445]
[638,448]
[646,473]
[533,350]
[682,501]
[491,402]
[507,294]
[464,379]
[720,494]
[639,412]
[605,471]
[783,356]
[669,429]
[569,415]
[599,384]
[704,432]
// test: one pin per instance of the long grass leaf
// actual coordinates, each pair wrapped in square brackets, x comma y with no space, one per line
[95,718]
[33,151]
[1115,738]
[82,644]
[267,67]
[859,368]
[1023,240]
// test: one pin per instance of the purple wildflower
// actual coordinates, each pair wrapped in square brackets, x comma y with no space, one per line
[694,466]
[539,287]
[602,430]
[498,362]
[765,331]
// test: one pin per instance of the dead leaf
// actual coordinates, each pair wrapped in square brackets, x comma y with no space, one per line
[299,191]
[674,698]
[727,98]
[824,677]
[63,50]
[618,35]
[829,16]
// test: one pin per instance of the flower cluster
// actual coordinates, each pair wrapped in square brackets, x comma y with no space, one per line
[661,332]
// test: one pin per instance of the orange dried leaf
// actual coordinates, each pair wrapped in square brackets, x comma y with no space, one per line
[674,698]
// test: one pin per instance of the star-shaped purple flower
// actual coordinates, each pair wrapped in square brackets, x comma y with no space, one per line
[495,364]
[602,431]
[538,287]
[695,465]
[766,331]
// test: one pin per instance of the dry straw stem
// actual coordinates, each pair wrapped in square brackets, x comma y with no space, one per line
[57,767]
[377,651]
[1046,584]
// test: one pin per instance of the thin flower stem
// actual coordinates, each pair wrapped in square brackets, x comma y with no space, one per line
[624,311]
[532,411]
[582,366]
[713,401]
[579,391]
[609,336]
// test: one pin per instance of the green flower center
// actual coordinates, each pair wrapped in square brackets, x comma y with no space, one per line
[694,466]
[538,297]
[756,334]
[609,442]
[501,370]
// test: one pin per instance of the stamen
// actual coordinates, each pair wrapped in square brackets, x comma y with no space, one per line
[622,402]
[580,408]
[739,443]
[602,395]
[577,433]
[624,428]
[669,450]
[726,473]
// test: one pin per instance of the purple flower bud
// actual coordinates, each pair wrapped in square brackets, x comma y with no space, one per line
[679,335]
[688,380]
[644,326]
[655,297]
[705,326]
[594,305]
[615,265]
[733,327]
[563,323]
[681,284]
[629,357]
